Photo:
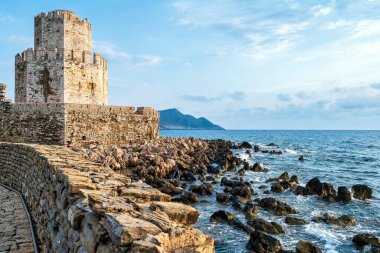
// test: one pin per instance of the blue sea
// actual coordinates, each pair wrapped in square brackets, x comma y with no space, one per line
[343,158]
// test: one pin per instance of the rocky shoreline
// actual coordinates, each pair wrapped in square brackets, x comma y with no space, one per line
[188,169]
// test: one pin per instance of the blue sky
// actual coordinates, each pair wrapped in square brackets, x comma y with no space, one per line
[244,64]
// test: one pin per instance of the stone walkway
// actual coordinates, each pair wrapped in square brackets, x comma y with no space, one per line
[15,235]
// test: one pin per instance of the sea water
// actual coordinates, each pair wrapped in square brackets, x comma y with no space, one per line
[343,158]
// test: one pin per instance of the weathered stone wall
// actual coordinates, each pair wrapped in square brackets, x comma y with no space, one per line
[109,125]
[32,123]
[79,206]
[77,125]
[61,67]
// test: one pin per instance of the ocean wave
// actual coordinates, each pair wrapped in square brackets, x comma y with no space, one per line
[321,231]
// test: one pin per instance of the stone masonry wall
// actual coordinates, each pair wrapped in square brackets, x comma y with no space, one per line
[109,125]
[32,123]
[80,206]
[77,125]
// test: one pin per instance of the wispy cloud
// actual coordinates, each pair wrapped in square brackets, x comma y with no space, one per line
[320,10]
[237,95]
[115,53]
[337,24]
[6,18]
[365,28]
[262,37]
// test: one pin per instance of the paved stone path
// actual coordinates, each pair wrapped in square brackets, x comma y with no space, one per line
[15,235]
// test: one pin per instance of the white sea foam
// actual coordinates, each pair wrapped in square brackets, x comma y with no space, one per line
[321,231]
[291,151]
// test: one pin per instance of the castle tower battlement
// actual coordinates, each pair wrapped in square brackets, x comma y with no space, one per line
[61,67]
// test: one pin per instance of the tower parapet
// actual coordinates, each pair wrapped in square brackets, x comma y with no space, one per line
[61,67]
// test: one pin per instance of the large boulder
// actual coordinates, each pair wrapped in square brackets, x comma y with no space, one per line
[344,195]
[242,191]
[294,221]
[222,216]
[277,187]
[260,242]
[307,247]
[203,189]
[223,197]
[362,240]
[361,191]
[267,226]
[342,221]
[276,206]
[245,145]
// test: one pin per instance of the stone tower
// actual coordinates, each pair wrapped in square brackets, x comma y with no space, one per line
[3,92]
[61,68]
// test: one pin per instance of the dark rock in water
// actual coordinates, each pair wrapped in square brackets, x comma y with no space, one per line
[294,180]
[294,221]
[250,211]
[232,167]
[344,195]
[361,191]
[284,176]
[248,152]
[260,242]
[242,191]
[186,198]
[232,183]
[229,218]
[267,192]
[223,198]
[246,166]
[256,148]
[277,187]
[266,226]
[285,184]
[307,247]
[274,152]
[272,145]
[276,206]
[214,170]
[203,189]
[257,167]
[315,186]
[188,176]
[264,186]
[300,190]
[301,158]
[362,240]
[237,204]
[241,172]
[245,145]
[343,221]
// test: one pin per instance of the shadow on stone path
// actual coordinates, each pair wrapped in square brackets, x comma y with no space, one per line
[15,235]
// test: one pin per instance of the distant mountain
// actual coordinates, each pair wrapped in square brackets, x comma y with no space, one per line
[174,119]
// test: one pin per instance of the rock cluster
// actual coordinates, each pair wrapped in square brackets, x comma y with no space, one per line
[81,206]
[327,191]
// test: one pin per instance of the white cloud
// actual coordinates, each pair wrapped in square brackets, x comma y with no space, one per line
[113,52]
[337,24]
[365,28]
[319,11]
